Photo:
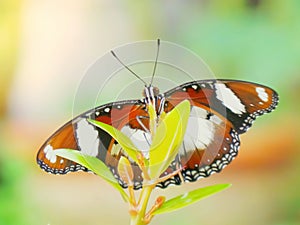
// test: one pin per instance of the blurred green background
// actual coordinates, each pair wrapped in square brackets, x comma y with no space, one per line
[45,48]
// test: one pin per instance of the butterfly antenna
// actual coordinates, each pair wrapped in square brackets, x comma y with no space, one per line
[155,64]
[137,76]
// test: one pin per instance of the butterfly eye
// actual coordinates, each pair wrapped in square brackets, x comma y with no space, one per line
[156,91]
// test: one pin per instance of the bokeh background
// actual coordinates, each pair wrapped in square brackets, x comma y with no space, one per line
[45,49]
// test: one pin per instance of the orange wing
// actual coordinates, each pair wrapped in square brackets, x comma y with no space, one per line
[220,111]
[79,135]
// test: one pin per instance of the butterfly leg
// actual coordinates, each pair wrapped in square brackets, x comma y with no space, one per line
[161,106]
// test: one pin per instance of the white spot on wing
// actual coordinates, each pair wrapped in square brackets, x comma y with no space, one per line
[50,154]
[216,119]
[262,94]
[194,86]
[115,150]
[199,132]
[140,138]
[107,109]
[87,138]
[229,99]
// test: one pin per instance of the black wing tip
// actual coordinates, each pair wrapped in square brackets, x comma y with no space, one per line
[249,120]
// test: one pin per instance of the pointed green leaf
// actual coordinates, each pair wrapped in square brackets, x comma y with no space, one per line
[125,171]
[152,119]
[93,164]
[167,139]
[121,138]
[189,198]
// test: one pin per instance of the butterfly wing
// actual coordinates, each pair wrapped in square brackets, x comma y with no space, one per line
[239,102]
[80,135]
[220,111]
[65,137]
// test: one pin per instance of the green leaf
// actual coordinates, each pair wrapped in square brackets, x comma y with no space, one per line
[152,119]
[189,198]
[93,164]
[121,138]
[125,171]
[167,139]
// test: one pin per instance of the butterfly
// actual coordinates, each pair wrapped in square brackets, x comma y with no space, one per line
[221,110]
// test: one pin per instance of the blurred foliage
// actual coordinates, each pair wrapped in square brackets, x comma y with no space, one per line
[11,202]
[9,37]
[14,206]
[255,40]
[259,44]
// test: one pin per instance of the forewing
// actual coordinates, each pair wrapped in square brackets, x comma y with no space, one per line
[79,135]
[239,102]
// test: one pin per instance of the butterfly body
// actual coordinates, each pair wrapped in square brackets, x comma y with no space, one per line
[221,110]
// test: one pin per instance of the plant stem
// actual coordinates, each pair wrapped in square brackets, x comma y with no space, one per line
[139,217]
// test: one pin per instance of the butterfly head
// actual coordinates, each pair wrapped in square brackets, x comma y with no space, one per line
[150,91]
